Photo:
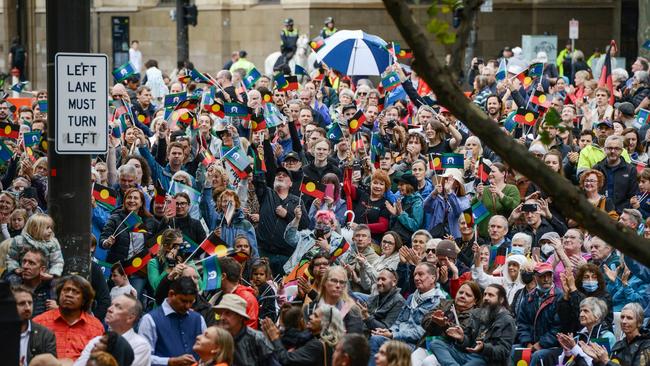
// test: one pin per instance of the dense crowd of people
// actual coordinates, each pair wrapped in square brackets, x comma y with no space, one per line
[337,221]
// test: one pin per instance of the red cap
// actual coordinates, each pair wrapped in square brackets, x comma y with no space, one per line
[541,268]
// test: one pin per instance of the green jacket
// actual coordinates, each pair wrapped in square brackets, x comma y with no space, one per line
[496,206]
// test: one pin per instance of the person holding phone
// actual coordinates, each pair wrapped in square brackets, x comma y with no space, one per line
[498,197]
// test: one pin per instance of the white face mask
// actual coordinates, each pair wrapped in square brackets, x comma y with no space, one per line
[547,249]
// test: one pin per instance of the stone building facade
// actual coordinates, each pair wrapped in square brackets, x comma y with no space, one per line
[254,25]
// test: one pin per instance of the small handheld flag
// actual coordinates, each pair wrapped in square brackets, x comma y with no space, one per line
[105,196]
[292,83]
[538,98]
[525,79]
[206,158]
[405,53]
[214,245]
[484,171]
[176,187]
[502,71]
[355,122]
[469,217]
[172,100]
[32,138]
[453,161]
[335,133]
[510,124]
[480,212]
[535,70]
[340,250]
[251,78]
[197,77]
[435,162]
[299,70]
[235,110]
[526,117]
[217,109]
[317,43]
[312,188]
[642,116]
[212,273]
[5,153]
[257,122]
[139,261]
[42,106]
[9,130]
[123,72]
[390,81]
[280,81]
[19,86]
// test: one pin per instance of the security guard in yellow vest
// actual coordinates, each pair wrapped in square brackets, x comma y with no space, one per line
[288,46]
[328,29]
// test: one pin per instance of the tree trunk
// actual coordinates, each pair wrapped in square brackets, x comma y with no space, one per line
[571,202]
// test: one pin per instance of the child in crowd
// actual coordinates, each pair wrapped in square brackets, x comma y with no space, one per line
[38,233]
[121,281]
[17,221]
[292,322]
[266,288]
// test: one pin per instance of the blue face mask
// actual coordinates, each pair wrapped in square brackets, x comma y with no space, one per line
[517,250]
[590,286]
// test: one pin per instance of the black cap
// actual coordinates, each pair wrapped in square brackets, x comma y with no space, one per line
[349,106]
[408,178]
[282,169]
[292,155]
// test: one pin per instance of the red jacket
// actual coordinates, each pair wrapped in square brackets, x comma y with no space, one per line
[252,307]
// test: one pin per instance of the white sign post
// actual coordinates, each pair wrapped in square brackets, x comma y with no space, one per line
[573,29]
[81,99]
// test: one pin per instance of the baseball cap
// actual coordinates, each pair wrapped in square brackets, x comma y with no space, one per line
[541,268]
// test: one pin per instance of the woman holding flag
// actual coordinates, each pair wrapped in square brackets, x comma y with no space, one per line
[127,232]
[226,218]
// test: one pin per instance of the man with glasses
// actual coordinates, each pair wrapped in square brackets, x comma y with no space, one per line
[592,154]
[620,183]
[362,239]
[539,221]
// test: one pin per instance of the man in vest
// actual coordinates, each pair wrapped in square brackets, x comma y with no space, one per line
[329,29]
[288,46]
[171,329]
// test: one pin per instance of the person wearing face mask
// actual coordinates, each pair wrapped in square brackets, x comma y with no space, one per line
[527,276]
[509,279]
[588,282]
[538,320]
[521,244]
[324,236]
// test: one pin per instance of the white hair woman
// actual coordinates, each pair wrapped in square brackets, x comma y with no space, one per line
[326,326]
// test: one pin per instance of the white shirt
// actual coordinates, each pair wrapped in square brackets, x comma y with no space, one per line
[24,343]
[135,57]
[148,330]
[139,345]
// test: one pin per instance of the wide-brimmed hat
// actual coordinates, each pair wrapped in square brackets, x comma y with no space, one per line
[408,179]
[234,303]
[457,175]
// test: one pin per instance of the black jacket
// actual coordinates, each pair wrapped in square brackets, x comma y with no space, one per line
[187,225]
[270,230]
[120,249]
[102,294]
[630,353]
[252,348]
[625,183]
[497,336]
[41,340]
[384,309]
[309,354]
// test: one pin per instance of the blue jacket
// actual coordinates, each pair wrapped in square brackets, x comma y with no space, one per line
[643,273]
[434,212]
[238,226]
[538,319]
[158,172]
[410,220]
[408,326]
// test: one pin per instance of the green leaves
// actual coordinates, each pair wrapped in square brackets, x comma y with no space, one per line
[438,24]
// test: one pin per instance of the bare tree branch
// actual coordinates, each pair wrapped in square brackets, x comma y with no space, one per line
[470,9]
[566,196]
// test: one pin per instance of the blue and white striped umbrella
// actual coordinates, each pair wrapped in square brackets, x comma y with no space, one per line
[355,53]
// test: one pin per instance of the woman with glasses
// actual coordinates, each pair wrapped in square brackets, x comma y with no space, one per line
[445,315]
[334,292]
[591,182]
[327,328]
[179,218]
[167,258]
[567,255]
[389,259]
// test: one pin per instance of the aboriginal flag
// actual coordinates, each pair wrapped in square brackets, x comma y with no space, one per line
[105,196]
[312,188]
[354,123]
[606,73]
[9,130]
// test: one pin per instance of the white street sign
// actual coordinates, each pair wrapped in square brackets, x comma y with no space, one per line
[573,29]
[81,99]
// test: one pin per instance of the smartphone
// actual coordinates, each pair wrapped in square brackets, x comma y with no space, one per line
[529,207]
[29,192]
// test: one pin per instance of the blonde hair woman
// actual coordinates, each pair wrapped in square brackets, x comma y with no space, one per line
[214,346]
[334,292]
